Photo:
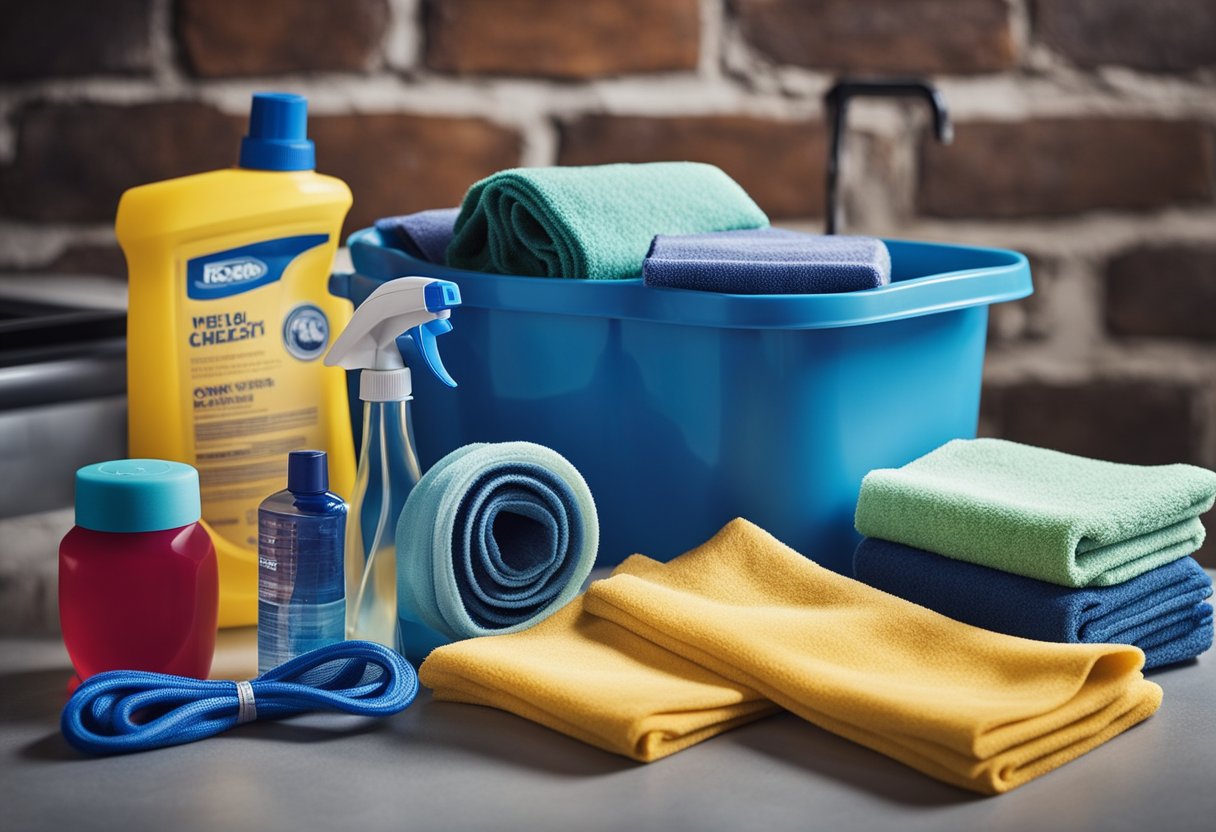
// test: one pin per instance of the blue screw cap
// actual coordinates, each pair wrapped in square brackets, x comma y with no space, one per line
[278,134]
[307,472]
[137,495]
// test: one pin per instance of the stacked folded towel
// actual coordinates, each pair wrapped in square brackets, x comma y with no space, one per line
[660,656]
[682,225]
[767,261]
[1045,545]
[591,222]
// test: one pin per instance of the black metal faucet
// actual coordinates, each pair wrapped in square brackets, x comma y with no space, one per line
[836,102]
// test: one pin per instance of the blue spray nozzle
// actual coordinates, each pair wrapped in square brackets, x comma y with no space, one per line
[418,347]
[441,294]
[278,134]
[372,341]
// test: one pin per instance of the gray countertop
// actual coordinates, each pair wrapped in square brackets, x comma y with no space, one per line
[454,767]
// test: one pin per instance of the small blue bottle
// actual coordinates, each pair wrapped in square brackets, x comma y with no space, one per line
[301,584]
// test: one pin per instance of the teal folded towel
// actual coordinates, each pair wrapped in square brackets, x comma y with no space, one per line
[1039,513]
[591,222]
[493,539]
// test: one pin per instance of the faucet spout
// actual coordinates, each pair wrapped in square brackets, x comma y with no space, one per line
[836,102]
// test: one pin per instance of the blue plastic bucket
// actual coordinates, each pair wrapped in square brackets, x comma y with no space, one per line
[686,409]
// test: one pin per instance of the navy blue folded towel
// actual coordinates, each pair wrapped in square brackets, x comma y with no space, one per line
[766,261]
[1163,611]
[424,235]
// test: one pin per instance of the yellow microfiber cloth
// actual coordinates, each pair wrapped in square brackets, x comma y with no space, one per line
[596,682]
[978,709]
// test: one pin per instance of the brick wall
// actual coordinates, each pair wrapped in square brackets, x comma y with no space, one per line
[1085,137]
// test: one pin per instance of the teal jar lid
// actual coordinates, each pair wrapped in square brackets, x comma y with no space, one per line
[137,495]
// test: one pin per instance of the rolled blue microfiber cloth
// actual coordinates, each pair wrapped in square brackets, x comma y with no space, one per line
[767,261]
[493,539]
[424,234]
[1162,611]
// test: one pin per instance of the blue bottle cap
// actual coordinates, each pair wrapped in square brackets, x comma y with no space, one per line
[278,134]
[307,472]
[136,495]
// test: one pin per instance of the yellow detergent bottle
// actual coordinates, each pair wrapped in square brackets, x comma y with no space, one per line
[229,319]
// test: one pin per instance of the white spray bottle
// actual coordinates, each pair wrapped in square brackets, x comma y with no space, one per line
[388,463]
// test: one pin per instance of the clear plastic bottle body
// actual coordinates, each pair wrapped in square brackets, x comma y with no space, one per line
[301,597]
[388,470]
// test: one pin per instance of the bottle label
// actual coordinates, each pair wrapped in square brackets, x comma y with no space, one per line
[252,343]
[236,270]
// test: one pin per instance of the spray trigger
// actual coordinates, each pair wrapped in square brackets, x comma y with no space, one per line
[418,345]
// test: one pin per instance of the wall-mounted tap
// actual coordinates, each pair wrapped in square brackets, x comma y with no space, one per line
[836,102]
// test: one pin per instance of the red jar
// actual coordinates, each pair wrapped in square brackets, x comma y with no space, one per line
[138,584]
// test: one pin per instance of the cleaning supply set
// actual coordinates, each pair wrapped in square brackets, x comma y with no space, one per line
[1042,544]
[655,292]
[301,578]
[733,630]
[228,318]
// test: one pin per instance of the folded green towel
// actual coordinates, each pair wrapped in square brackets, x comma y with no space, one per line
[591,222]
[1042,514]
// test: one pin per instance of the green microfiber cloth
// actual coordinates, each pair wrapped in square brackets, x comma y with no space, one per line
[1042,514]
[591,222]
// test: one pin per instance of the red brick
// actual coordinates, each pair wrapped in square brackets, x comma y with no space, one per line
[75,160]
[1051,167]
[780,163]
[1133,421]
[1161,35]
[947,36]
[1163,291]
[395,163]
[234,37]
[564,39]
[57,38]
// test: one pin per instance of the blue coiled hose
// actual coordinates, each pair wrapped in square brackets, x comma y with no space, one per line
[121,711]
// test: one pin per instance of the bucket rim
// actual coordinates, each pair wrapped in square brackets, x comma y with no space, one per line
[927,278]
